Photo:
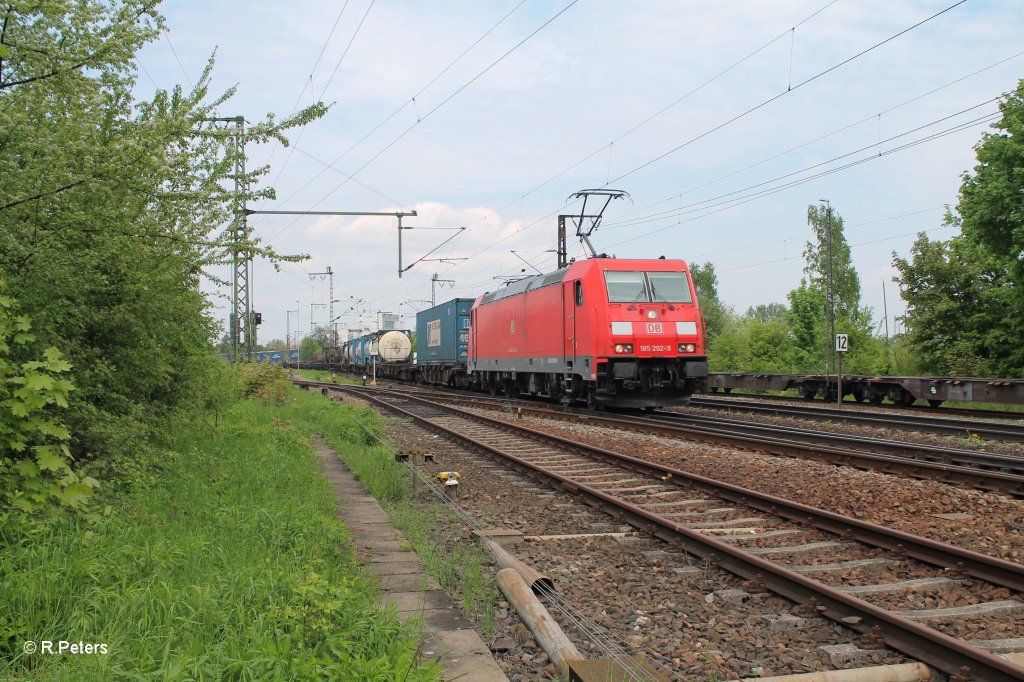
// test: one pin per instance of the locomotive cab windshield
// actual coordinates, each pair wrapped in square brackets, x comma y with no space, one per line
[647,287]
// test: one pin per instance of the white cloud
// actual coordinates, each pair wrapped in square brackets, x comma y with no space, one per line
[590,76]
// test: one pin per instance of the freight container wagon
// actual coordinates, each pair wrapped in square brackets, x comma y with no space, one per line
[442,341]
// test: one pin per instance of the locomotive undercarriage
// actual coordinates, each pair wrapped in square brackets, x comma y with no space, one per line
[650,382]
[633,383]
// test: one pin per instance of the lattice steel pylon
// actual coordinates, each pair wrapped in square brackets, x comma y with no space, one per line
[242,325]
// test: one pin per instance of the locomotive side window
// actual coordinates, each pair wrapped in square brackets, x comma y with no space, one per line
[625,287]
[579,293]
[669,287]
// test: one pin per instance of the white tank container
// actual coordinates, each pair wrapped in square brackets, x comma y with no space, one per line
[392,346]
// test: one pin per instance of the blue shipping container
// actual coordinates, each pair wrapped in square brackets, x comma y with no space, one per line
[442,333]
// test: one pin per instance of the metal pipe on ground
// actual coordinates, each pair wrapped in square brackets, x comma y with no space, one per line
[902,672]
[544,628]
[537,582]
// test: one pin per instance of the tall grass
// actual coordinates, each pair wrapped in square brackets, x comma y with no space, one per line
[230,567]
[430,527]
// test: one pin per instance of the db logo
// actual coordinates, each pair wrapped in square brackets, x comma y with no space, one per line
[655,328]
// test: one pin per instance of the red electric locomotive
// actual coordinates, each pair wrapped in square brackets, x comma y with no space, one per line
[624,333]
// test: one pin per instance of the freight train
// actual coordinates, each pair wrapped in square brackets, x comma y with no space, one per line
[605,331]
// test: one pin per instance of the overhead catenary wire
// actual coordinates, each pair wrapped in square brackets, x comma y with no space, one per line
[429,113]
[658,113]
[732,203]
[674,212]
[411,100]
[872,241]
[817,139]
[733,119]
[799,85]
[737,201]
[167,37]
[521,226]
[323,91]
[307,84]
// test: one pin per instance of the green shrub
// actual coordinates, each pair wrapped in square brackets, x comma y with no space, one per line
[265,381]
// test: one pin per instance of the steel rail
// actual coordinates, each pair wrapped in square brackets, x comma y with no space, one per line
[923,423]
[946,653]
[923,469]
[907,450]
[985,471]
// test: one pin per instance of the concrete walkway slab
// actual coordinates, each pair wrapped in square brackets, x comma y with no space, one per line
[395,568]
[446,634]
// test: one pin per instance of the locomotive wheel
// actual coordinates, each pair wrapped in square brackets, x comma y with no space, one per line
[807,393]
[492,389]
[592,402]
[876,399]
[858,395]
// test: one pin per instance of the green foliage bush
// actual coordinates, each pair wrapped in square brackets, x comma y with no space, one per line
[265,381]
[36,475]
[112,210]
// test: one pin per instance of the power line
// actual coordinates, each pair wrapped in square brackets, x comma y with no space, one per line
[429,113]
[738,201]
[786,92]
[308,83]
[302,130]
[657,114]
[817,139]
[348,47]
[682,210]
[873,241]
[752,109]
[803,236]
[175,53]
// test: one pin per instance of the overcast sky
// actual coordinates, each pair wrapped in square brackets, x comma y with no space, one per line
[722,120]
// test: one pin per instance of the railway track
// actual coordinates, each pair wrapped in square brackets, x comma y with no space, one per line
[752,535]
[927,421]
[866,407]
[986,471]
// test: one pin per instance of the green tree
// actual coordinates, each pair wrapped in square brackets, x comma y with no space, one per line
[959,299]
[705,281]
[767,312]
[310,347]
[991,205]
[274,344]
[965,296]
[111,210]
[833,283]
[807,321]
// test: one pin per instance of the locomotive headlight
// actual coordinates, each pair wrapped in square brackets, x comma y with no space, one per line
[652,314]
[687,348]
[623,348]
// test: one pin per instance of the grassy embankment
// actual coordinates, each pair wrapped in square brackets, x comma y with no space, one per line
[324,375]
[430,527]
[229,565]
